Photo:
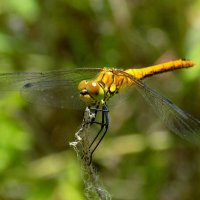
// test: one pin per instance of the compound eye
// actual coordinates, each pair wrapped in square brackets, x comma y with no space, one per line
[82,85]
[93,88]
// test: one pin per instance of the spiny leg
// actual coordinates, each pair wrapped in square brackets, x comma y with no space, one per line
[104,124]
[94,110]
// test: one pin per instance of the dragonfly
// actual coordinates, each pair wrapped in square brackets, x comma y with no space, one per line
[94,87]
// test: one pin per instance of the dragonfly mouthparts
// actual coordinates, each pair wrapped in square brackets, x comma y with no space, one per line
[84,92]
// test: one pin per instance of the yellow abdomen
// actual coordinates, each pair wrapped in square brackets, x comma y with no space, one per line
[160,68]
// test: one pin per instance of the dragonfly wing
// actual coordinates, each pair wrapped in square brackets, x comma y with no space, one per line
[177,120]
[54,88]
[63,95]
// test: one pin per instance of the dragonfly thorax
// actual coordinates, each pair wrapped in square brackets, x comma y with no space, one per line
[91,92]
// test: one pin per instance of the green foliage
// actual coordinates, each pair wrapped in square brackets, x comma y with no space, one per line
[36,162]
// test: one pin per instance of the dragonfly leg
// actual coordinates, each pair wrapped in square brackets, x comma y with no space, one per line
[104,124]
[95,111]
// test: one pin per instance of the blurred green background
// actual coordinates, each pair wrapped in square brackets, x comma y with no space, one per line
[139,159]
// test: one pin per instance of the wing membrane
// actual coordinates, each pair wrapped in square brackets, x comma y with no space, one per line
[54,88]
[177,120]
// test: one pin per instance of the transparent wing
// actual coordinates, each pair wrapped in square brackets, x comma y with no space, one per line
[177,120]
[54,88]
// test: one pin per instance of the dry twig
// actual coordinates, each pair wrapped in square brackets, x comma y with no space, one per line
[93,188]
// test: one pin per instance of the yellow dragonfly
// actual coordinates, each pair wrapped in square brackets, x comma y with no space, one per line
[93,87]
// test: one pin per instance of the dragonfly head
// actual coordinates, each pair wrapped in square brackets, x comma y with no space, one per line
[91,92]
